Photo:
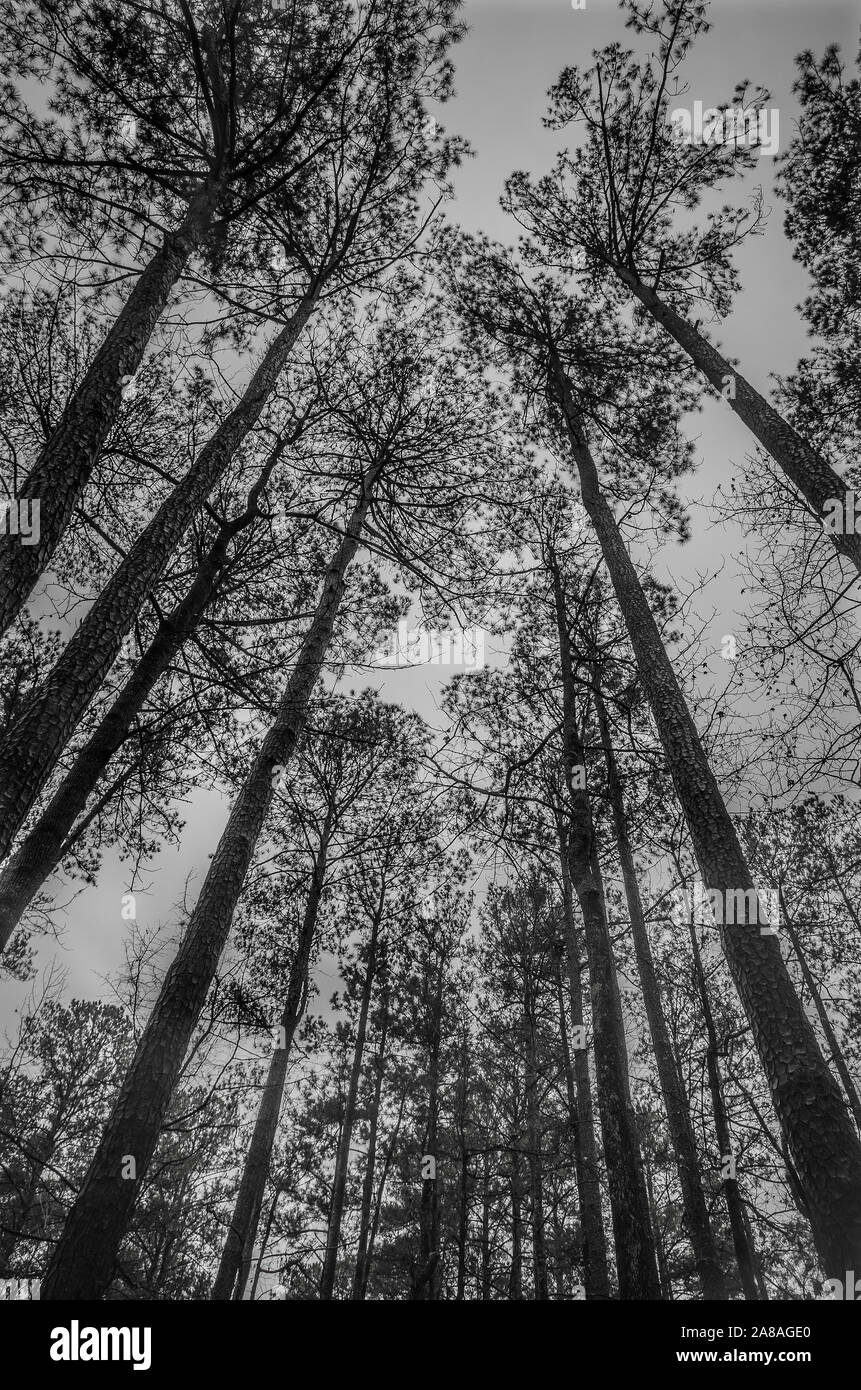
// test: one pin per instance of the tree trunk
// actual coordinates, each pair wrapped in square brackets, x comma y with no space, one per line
[742,1243]
[381,1186]
[242,1232]
[533,1155]
[629,1201]
[427,1282]
[63,468]
[675,1101]
[463,1190]
[485,1287]
[45,844]
[40,1151]
[596,1276]
[264,1241]
[816,1125]
[32,746]
[834,1047]
[363,1257]
[342,1158]
[810,473]
[83,1260]
[660,1251]
[515,1273]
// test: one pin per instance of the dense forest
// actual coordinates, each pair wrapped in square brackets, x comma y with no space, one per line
[543,985]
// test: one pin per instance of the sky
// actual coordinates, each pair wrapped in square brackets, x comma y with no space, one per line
[514,51]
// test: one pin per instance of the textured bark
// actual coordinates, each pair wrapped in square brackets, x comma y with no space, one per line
[533,1135]
[342,1158]
[810,473]
[596,1275]
[463,1186]
[515,1272]
[63,468]
[485,1280]
[633,1240]
[363,1253]
[427,1279]
[570,1083]
[45,844]
[462,1224]
[82,1264]
[31,747]
[675,1100]
[836,1051]
[242,1232]
[742,1241]
[816,1124]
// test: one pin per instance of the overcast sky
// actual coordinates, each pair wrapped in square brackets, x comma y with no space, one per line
[514,51]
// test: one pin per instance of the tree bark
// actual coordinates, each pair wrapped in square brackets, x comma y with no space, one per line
[427,1280]
[363,1254]
[634,1243]
[485,1282]
[82,1264]
[809,472]
[675,1101]
[63,468]
[515,1273]
[596,1276]
[831,1038]
[342,1158]
[533,1134]
[46,842]
[242,1232]
[264,1241]
[32,746]
[816,1125]
[745,1255]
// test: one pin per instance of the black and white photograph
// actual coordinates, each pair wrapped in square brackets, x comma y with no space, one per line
[430,672]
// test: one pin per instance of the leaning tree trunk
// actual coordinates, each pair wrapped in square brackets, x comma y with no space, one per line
[342,1158]
[596,1275]
[745,1253]
[83,1261]
[31,747]
[242,1232]
[46,842]
[632,1229]
[63,468]
[837,1055]
[810,473]
[675,1101]
[816,1124]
